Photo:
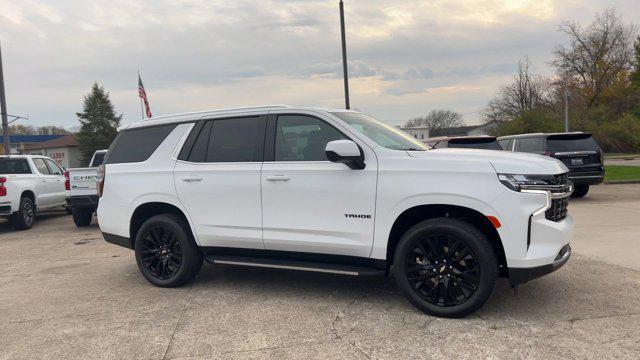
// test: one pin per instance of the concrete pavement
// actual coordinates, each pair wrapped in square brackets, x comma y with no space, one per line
[66,294]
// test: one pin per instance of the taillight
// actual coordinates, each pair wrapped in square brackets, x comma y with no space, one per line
[3,189]
[100,177]
[67,184]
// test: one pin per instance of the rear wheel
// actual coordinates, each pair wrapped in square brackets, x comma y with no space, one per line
[82,217]
[166,253]
[580,191]
[24,218]
[445,267]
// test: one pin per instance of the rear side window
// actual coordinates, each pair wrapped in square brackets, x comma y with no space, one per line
[505,144]
[529,144]
[572,142]
[98,159]
[14,166]
[137,145]
[227,140]
[41,166]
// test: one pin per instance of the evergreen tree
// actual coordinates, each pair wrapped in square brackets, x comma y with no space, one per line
[98,122]
[635,73]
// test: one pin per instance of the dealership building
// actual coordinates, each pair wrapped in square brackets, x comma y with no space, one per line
[63,150]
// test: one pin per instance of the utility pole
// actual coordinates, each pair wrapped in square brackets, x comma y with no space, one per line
[3,109]
[566,109]
[345,71]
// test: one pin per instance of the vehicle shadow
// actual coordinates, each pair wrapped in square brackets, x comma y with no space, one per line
[41,219]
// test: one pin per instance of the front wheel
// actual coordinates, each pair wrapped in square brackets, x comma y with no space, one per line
[580,191]
[166,254]
[445,267]
[24,218]
[82,217]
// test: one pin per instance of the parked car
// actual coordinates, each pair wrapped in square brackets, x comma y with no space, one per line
[577,150]
[332,191]
[82,198]
[29,184]
[468,142]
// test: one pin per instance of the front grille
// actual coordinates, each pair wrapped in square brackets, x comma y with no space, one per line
[558,209]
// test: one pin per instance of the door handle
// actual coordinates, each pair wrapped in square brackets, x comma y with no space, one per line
[191,179]
[278,178]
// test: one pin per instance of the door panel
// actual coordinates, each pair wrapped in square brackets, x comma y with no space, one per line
[315,206]
[218,181]
[56,182]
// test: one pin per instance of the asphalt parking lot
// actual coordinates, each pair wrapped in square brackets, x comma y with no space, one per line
[66,294]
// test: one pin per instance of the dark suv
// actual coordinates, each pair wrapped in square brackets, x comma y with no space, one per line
[469,142]
[577,150]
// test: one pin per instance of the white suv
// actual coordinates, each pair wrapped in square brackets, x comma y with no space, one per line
[332,191]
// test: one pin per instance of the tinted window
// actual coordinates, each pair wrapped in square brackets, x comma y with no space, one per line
[137,144]
[54,169]
[236,140]
[14,166]
[303,138]
[41,166]
[504,144]
[530,144]
[98,159]
[580,142]
[475,144]
[199,150]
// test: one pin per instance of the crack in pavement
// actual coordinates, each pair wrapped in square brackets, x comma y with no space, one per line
[334,331]
[175,329]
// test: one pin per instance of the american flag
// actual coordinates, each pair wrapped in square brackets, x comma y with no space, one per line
[143,96]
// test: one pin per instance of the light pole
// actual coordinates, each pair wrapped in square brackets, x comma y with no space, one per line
[567,94]
[345,71]
[3,109]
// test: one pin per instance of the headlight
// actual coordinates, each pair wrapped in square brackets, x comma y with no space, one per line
[529,182]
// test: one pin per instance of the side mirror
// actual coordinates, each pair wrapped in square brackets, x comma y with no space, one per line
[346,152]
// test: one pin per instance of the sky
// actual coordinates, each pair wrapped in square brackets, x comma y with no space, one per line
[405,57]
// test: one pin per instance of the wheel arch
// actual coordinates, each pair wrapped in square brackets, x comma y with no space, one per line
[147,210]
[416,214]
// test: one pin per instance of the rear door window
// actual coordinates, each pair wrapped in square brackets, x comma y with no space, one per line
[137,145]
[572,142]
[54,169]
[237,140]
[41,166]
[14,166]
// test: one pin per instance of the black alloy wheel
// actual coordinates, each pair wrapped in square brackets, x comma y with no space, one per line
[24,218]
[443,270]
[161,252]
[445,267]
[166,253]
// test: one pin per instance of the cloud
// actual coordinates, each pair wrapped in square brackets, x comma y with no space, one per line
[405,56]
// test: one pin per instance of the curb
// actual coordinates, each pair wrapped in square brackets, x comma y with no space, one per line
[621,182]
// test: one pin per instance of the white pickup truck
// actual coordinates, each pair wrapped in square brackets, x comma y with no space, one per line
[28,184]
[82,198]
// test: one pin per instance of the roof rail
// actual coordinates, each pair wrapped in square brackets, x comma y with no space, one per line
[256,108]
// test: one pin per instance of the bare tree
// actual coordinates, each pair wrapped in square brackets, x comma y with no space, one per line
[596,55]
[527,92]
[437,119]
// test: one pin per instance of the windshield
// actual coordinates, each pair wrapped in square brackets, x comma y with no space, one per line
[14,166]
[383,134]
[487,144]
[572,142]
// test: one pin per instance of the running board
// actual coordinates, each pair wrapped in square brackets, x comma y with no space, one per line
[294,265]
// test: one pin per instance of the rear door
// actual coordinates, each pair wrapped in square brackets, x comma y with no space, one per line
[45,187]
[217,177]
[58,192]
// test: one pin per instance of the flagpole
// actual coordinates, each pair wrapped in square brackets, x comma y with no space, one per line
[141,105]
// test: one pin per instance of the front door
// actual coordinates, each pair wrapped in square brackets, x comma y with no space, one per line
[217,178]
[310,204]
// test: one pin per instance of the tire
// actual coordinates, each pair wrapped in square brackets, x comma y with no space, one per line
[166,253]
[68,211]
[82,217]
[445,267]
[24,218]
[580,191]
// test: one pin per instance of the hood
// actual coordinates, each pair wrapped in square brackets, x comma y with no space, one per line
[504,162]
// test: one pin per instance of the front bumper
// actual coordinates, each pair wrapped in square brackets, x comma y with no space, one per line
[522,275]
[82,202]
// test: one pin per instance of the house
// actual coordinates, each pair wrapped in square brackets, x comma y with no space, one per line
[473,130]
[19,142]
[417,132]
[63,150]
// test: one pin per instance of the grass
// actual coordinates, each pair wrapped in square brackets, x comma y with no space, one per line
[621,172]
[620,156]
